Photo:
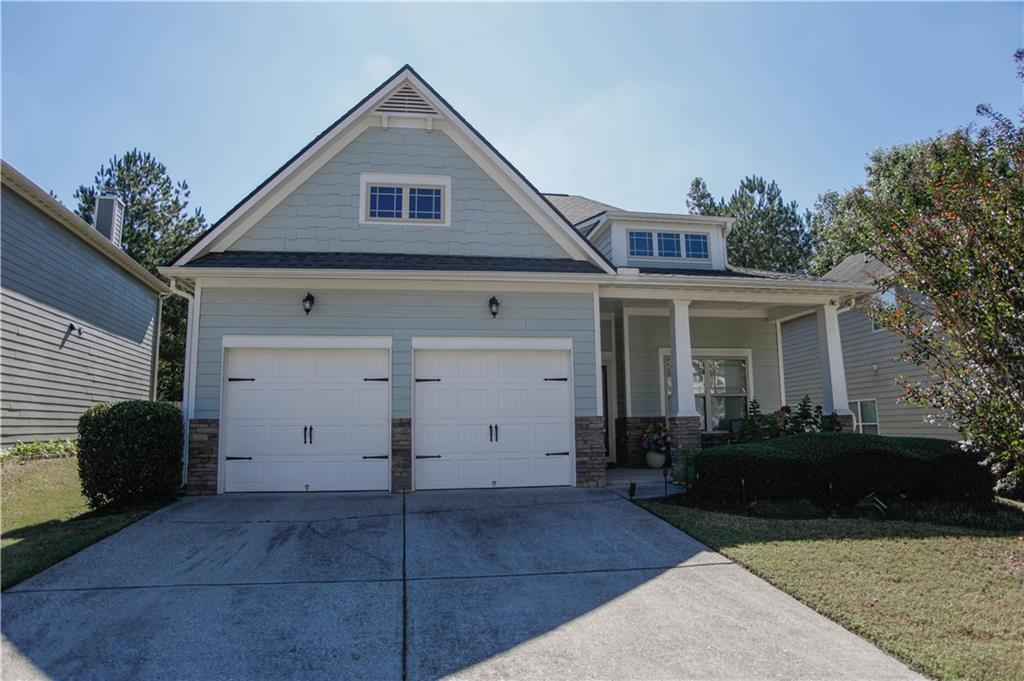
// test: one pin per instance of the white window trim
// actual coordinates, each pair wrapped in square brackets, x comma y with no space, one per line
[405,180]
[857,423]
[682,245]
[745,354]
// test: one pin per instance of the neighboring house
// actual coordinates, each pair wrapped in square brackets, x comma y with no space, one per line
[79,319]
[871,358]
[398,307]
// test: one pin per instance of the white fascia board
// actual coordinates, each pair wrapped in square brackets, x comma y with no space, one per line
[309,342]
[673,218]
[474,343]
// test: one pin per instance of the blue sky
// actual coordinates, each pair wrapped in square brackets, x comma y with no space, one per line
[623,103]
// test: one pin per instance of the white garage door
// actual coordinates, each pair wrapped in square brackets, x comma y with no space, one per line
[492,419]
[306,420]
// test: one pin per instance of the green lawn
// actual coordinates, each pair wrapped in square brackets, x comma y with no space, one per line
[947,600]
[44,517]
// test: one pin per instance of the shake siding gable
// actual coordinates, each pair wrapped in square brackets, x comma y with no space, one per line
[322,214]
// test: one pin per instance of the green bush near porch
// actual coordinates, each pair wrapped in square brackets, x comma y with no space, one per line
[838,469]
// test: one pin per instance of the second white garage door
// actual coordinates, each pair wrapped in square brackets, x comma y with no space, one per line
[306,420]
[492,419]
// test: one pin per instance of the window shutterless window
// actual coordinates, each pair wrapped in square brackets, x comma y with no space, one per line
[865,416]
[385,202]
[668,245]
[719,387]
[425,203]
[405,198]
[641,244]
[697,246]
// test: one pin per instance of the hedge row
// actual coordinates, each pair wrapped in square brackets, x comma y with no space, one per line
[839,469]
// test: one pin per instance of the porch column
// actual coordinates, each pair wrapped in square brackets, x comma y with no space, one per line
[833,373]
[684,423]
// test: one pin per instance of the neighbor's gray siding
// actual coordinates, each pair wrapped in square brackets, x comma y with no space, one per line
[322,214]
[648,333]
[870,372]
[400,314]
[50,278]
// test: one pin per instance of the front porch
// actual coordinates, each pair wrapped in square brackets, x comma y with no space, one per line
[733,356]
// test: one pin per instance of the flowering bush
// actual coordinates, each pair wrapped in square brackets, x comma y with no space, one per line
[786,421]
[655,438]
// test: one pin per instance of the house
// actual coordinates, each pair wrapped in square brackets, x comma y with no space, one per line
[79,319]
[398,307]
[871,357]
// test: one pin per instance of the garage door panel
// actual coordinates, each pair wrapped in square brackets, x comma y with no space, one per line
[291,389]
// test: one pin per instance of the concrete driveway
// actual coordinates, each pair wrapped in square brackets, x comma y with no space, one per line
[521,584]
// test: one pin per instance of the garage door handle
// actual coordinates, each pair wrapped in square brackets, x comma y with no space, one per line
[381,456]
[556,379]
[496,437]
[557,454]
[428,380]
[305,430]
[491,429]
[238,458]
[428,456]
[231,379]
[383,380]
[311,435]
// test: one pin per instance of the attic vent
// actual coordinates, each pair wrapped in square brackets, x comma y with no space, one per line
[408,101]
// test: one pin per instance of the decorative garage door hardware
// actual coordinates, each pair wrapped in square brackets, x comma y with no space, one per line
[557,454]
[494,432]
[379,456]
[382,380]
[428,456]
[428,380]
[231,380]
[556,379]
[304,433]
[238,458]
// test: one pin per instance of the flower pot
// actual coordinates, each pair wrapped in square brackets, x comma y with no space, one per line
[655,459]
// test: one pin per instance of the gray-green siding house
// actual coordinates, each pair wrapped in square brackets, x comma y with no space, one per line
[871,357]
[399,308]
[78,317]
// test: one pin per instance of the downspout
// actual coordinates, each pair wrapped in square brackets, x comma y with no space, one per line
[186,377]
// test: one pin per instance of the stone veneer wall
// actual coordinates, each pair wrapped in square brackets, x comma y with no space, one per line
[684,433]
[203,436]
[590,452]
[401,455]
[631,453]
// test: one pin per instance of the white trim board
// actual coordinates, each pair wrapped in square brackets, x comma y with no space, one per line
[484,343]
[444,182]
[309,342]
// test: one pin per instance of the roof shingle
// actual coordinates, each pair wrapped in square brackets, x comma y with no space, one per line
[390,261]
[576,208]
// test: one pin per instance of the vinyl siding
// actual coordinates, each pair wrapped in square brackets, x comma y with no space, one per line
[648,333]
[51,278]
[871,372]
[603,243]
[322,214]
[401,315]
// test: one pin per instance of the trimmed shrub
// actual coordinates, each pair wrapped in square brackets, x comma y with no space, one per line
[840,469]
[129,452]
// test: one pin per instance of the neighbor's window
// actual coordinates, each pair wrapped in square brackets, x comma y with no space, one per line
[865,416]
[385,202]
[888,299]
[668,245]
[697,246]
[641,244]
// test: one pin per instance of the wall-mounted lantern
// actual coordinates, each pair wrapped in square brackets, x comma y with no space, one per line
[494,305]
[307,302]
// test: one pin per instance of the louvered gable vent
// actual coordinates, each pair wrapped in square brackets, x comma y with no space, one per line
[406,100]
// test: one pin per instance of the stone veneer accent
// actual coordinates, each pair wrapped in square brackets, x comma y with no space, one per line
[401,455]
[590,452]
[203,436]
[684,433]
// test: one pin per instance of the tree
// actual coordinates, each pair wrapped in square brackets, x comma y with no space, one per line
[829,247]
[157,226]
[946,215]
[768,234]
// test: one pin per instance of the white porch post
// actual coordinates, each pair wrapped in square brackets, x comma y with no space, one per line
[833,373]
[683,403]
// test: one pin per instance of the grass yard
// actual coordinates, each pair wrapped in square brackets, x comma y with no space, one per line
[44,517]
[947,600]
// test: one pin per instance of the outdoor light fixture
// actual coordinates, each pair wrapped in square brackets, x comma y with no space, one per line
[494,305]
[307,302]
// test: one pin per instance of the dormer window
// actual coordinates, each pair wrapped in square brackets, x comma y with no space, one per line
[641,244]
[697,246]
[405,199]
[669,245]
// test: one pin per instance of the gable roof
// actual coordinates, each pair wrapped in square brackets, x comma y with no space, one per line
[576,208]
[62,216]
[404,93]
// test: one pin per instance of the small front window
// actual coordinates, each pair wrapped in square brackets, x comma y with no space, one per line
[668,245]
[385,202]
[641,244]
[697,246]
[425,203]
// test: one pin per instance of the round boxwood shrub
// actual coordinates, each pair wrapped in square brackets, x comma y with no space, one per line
[129,452]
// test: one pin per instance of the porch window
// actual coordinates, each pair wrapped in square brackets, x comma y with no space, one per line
[641,244]
[719,387]
[865,416]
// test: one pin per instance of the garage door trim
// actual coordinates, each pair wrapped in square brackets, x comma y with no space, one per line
[471,343]
[229,342]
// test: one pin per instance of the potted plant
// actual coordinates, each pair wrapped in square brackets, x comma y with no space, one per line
[655,441]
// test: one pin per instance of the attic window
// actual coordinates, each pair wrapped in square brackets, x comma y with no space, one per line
[406,100]
[408,199]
